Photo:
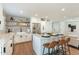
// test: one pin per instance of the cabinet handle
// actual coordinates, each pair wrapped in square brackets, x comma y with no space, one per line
[11,45]
[20,36]
[4,50]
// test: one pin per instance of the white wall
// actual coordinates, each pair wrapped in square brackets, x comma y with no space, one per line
[56,27]
[59,26]
[73,22]
[2,19]
[48,26]
[62,27]
[2,25]
[1,10]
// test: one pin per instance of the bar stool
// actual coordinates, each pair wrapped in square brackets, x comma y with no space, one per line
[67,45]
[50,45]
[62,45]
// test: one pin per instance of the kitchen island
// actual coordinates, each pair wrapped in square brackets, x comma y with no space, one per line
[21,37]
[39,40]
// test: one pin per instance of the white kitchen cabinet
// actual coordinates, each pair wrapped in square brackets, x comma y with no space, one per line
[22,37]
[74,41]
[37,45]
[6,43]
[0,49]
[38,42]
[8,48]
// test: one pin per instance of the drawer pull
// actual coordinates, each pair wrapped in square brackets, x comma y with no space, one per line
[20,36]
[4,50]
[11,45]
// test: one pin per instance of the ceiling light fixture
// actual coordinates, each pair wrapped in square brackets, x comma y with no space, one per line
[46,16]
[63,9]
[21,11]
[36,14]
[65,17]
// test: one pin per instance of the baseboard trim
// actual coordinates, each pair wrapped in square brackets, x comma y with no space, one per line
[22,42]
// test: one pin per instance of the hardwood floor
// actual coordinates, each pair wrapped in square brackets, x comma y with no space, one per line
[26,49]
[74,51]
[23,48]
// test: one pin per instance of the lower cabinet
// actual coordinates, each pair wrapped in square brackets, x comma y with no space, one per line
[37,45]
[0,50]
[74,42]
[22,38]
[38,42]
[7,48]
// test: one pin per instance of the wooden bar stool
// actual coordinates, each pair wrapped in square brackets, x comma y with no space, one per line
[67,45]
[62,45]
[49,46]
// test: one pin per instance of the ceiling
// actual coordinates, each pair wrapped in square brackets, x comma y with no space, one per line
[50,10]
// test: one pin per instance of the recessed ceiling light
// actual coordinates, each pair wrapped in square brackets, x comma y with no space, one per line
[36,15]
[21,11]
[63,9]
[46,16]
[64,16]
